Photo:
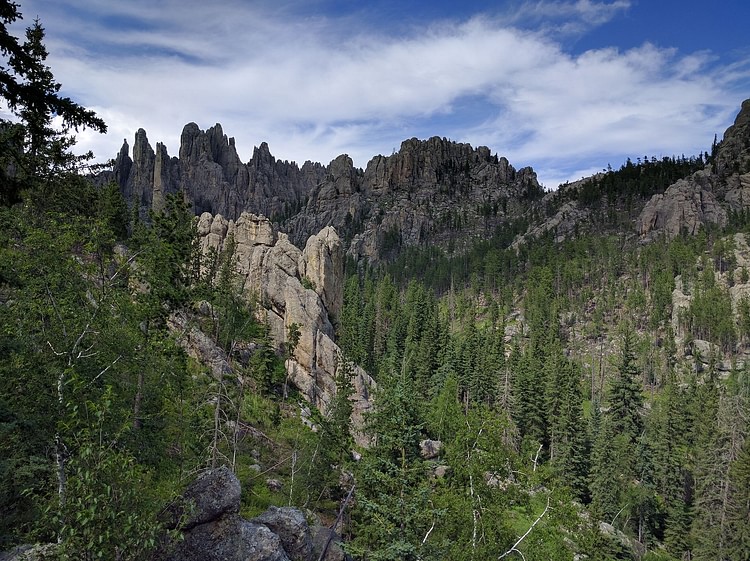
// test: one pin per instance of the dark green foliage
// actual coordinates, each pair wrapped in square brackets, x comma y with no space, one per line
[637,180]
[34,156]
[738,511]
[625,398]
[710,315]
[393,511]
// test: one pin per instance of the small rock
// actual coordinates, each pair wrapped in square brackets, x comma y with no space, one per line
[441,471]
[430,449]
[274,485]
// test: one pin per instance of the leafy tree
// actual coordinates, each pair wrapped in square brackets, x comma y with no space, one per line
[330,450]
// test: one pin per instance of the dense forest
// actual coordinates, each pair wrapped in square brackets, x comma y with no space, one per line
[577,408]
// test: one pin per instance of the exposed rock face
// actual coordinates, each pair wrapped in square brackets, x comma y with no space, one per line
[683,208]
[733,154]
[211,175]
[565,224]
[434,191]
[208,498]
[291,527]
[206,514]
[430,449]
[707,196]
[293,287]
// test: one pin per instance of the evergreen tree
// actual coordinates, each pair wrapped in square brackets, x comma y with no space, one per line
[34,155]
[738,509]
[392,513]
[625,395]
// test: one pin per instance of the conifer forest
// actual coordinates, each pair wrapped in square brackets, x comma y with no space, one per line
[534,396]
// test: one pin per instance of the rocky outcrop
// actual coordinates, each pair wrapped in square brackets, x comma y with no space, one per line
[565,224]
[684,207]
[292,289]
[212,176]
[707,196]
[435,191]
[211,529]
[733,153]
[291,527]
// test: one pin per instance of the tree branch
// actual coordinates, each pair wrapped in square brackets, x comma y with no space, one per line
[514,547]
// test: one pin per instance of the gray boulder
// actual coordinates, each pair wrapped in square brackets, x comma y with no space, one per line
[291,526]
[212,530]
[213,494]
[430,449]
[328,541]
[229,538]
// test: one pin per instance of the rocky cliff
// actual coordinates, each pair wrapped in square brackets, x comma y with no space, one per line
[429,192]
[293,287]
[210,173]
[708,196]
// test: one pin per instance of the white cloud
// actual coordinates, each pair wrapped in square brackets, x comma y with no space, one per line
[315,87]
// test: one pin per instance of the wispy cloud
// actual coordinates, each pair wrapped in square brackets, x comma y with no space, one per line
[317,85]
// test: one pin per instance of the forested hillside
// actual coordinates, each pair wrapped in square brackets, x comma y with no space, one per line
[563,386]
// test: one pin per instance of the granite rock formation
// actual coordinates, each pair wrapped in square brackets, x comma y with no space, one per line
[429,192]
[292,287]
[207,516]
[707,196]
[210,173]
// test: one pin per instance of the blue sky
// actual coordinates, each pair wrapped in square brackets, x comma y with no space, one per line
[565,86]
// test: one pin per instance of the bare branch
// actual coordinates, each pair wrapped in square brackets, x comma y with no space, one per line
[56,353]
[514,547]
[336,523]
[536,457]
[110,365]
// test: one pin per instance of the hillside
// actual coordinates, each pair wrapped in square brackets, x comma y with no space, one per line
[431,357]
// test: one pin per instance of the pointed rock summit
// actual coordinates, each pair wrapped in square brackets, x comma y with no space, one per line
[431,192]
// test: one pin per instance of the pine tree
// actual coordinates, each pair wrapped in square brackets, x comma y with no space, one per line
[392,511]
[34,155]
[738,511]
[625,395]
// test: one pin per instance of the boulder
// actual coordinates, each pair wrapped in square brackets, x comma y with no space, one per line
[430,449]
[229,538]
[213,494]
[212,530]
[326,540]
[291,527]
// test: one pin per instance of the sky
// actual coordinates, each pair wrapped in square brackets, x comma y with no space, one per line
[565,86]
